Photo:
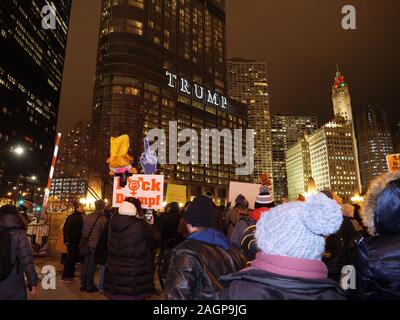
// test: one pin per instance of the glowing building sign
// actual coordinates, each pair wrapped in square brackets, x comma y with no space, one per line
[198,92]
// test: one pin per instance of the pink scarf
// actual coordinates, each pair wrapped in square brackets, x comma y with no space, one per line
[291,267]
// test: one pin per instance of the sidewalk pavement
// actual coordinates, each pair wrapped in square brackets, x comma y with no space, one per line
[69,291]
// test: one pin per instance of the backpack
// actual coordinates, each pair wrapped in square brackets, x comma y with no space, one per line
[248,245]
[6,265]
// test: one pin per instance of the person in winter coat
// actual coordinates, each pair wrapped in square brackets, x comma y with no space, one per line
[101,250]
[232,216]
[129,267]
[72,237]
[218,217]
[244,233]
[289,266]
[378,257]
[93,226]
[170,220]
[339,246]
[197,263]
[13,234]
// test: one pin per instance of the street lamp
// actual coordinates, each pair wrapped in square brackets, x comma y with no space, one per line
[18,150]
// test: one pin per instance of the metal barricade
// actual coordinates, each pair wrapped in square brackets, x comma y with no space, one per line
[39,236]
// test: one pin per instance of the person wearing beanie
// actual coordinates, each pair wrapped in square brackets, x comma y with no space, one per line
[291,238]
[264,202]
[202,258]
[233,215]
[339,246]
[129,269]
[377,260]
[72,233]
[93,226]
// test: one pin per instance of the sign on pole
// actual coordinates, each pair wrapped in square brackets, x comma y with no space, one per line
[393,161]
[148,188]
[176,193]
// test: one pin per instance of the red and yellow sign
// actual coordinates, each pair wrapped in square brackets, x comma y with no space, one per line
[393,161]
[147,188]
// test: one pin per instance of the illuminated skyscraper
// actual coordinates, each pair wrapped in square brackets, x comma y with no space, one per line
[343,112]
[148,53]
[248,84]
[396,139]
[332,151]
[31,70]
[374,143]
[327,156]
[298,164]
[287,130]
[73,158]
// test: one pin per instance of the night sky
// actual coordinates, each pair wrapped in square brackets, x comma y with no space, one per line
[301,40]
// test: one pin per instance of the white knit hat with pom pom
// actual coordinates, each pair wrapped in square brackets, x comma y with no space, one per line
[298,229]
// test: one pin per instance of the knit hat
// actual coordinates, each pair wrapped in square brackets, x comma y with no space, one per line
[200,213]
[297,229]
[127,209]
[264,198]
[241,200]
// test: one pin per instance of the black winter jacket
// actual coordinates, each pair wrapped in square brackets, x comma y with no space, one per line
[262,285]
[195,267]
[129,267]
[21,253]
[378,267]
[73,228]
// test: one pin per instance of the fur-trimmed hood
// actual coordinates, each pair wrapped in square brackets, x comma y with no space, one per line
[374,191]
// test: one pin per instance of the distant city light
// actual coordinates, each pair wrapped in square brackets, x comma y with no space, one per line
[18,150]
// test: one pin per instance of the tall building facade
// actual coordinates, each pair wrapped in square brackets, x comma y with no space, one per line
[287,130]
[73,158]
[374,143]
[327,156]
[343,113]
[298,164]
[248,83]
[31,70]
[332,151]
[333,165]
[396,139]
[162,61]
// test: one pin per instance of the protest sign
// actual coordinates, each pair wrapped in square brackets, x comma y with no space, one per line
[176,193]
[393,161]
[249,190]
[147,188]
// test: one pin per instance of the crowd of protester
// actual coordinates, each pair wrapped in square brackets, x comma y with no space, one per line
[295,250]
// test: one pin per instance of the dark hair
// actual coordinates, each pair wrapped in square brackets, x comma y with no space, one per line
[264,205]
[9,209]
[173,207]
[99,205]
[187,205]
[137,204]
[76,204]
[387,210]
[357,215]
[328,193]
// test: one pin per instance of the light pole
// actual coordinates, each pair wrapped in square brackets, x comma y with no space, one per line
[18,151]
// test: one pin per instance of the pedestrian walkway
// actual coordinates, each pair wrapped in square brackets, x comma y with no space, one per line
[68,291]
